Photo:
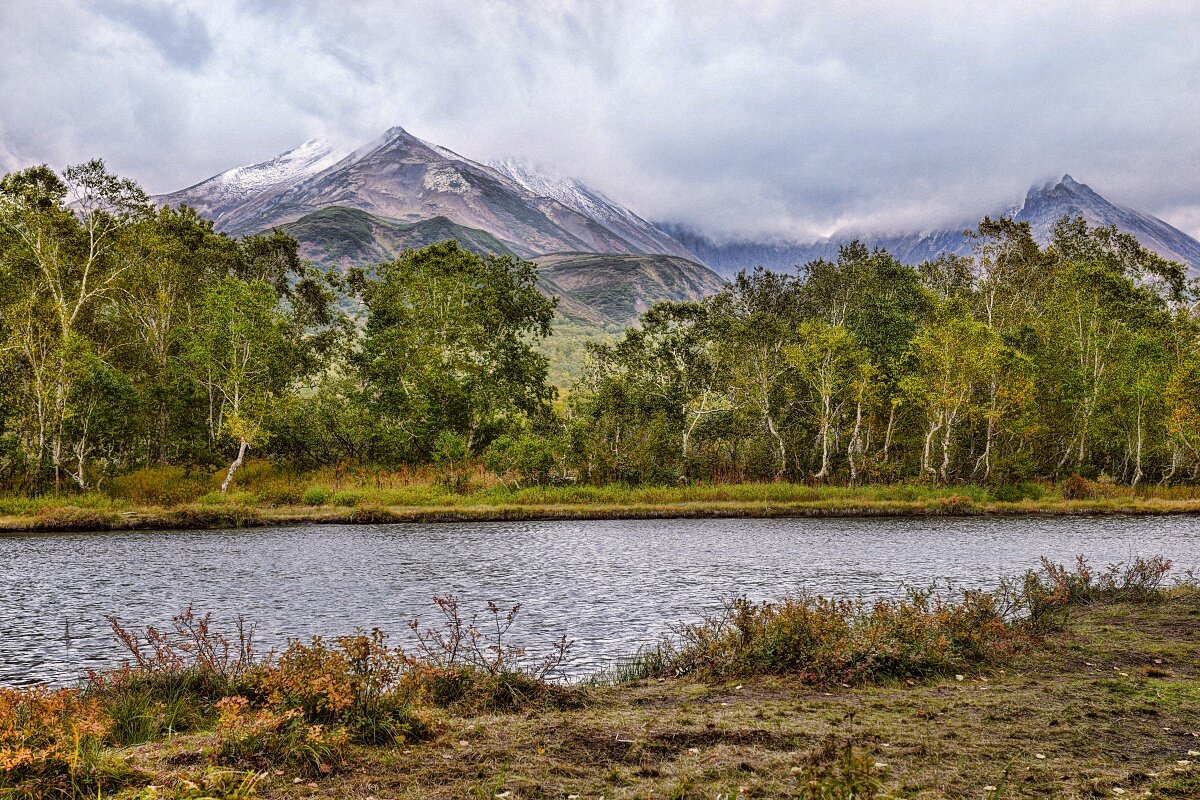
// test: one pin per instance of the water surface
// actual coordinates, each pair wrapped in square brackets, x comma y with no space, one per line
[610,585]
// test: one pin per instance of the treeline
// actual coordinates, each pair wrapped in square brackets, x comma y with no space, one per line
[1016,363]
[134,337]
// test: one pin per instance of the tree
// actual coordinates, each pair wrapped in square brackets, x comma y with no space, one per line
[449,345]
[754,319]
[953,358]
[243,358]
[60,268]
[829,361]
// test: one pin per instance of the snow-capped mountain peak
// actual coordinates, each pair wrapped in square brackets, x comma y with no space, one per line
[227,190]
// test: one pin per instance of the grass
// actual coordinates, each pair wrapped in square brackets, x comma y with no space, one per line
[1095,700]
[265,494]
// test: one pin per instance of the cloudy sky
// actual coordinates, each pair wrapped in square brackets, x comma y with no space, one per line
[788,119]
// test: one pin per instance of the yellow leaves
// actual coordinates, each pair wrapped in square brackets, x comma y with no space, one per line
[43,731]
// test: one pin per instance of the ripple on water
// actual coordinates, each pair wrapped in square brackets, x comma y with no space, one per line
[610,585]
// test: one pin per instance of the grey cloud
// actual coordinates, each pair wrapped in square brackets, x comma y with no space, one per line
[179,34]
[770,118]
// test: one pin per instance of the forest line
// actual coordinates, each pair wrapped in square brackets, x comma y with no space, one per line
[133,337]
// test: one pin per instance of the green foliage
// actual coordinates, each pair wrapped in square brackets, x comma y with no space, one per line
[140,351]
[316,495]
[448,347]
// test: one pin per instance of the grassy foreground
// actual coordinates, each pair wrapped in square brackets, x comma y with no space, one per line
[1090,691]
[265,495]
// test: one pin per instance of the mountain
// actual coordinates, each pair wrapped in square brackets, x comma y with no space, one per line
[1042,208]
[547,182]
[221,194]
[616,289]
[401,179]
[347,237]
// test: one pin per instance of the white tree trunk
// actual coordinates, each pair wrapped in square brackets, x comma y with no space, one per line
[237,462]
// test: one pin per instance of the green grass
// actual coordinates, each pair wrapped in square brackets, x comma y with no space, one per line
[264,493]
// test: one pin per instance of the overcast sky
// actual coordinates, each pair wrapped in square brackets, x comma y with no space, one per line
[790,119]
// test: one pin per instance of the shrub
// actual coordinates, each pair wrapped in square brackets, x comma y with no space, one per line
[160,486]
[265,738]
[1016,492]
[52,744]
[347,499]
[468,663]
[355,684]
[824,641]
[525,459]
[1078,487]
[316,495]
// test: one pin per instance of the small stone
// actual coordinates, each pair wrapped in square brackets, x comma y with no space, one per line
[1040,756]
[693,750]
[960,677]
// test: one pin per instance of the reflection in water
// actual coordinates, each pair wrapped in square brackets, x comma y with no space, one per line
[610,585]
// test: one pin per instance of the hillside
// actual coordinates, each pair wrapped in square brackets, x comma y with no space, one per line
[617,289]
[599,296]
[347,237]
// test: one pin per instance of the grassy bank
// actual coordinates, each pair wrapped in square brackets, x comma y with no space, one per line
[1061,684]
[266,495]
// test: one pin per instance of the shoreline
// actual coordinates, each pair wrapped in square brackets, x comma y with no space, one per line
[72,519]
[1100,707]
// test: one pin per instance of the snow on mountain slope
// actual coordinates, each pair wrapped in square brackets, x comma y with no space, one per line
[220,194]
[402,178]
[547,182]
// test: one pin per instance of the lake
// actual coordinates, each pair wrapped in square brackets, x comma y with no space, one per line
[610,585]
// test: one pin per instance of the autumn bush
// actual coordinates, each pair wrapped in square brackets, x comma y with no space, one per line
[356,684]
[831,641]
[825,641]
[264,737]
[52,744]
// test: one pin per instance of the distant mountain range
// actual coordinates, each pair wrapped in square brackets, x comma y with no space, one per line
[1043,207]
[399,191]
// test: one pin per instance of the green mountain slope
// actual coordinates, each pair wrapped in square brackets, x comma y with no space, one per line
[609,289]
[347,237]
